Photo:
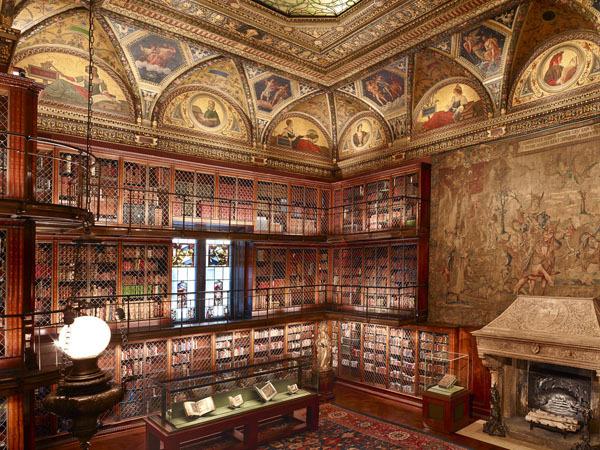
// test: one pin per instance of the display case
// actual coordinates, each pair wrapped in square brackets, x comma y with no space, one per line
[445,372]
[176,391]
[244,402]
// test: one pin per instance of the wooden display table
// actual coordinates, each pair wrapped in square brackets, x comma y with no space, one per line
[446,410]
[243,424]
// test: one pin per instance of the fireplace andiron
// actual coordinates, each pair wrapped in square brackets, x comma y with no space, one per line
[494,426]
[586,415]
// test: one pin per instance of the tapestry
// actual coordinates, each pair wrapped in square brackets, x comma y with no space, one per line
[509,219]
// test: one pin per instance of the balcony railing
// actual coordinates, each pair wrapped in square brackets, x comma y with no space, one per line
[143,208]
[40,176]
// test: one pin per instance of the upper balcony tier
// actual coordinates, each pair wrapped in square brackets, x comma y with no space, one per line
[30,189]
[128,198]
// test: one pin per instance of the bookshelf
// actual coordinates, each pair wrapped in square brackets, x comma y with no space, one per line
[382,276]
[104,193]
[44,257]
[374,354]
[236,204]
[232,349]
[349,352]
[433,356]
[268,344]
[146,194]
[300,339]
[88,270]
[388,201]
[145,270]
[402,371]
[303,210]
[71,177]
[194,199]
[390,358]
[272,207]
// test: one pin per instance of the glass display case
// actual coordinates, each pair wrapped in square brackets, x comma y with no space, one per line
[444,372]
[204,397]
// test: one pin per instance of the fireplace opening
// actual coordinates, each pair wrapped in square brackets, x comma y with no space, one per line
[558,390]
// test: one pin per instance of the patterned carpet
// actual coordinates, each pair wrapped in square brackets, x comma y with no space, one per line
[340,428]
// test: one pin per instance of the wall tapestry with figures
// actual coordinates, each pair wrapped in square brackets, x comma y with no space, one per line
[508,220]
[562,67]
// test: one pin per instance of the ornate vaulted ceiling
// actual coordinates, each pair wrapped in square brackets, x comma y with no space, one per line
[242,79]
[310,8]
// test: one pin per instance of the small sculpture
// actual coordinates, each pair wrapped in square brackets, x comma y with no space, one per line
[495,426]
[324,348]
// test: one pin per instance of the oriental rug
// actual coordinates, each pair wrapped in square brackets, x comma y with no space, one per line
[340,428]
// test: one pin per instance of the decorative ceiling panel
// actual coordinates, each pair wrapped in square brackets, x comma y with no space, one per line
[325,50]
[310,8]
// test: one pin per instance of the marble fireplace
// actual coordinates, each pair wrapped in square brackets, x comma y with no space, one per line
[544,357]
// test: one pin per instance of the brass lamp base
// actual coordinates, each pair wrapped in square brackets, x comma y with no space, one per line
[86,393]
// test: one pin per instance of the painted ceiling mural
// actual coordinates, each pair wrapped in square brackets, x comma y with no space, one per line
[36,11]
[363,134]
[559,69]
[450,103]
[300,134]
[220,74]
[207,113]
[187,81]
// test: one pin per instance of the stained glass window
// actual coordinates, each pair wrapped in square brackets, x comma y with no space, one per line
[300,8]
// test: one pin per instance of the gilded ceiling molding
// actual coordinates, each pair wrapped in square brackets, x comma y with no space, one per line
[251,111]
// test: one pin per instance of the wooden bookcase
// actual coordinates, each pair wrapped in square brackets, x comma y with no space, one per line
[390,359]
[145,194]
[396,200]
[382,276]
[104,192]
[289,278]
[145,272]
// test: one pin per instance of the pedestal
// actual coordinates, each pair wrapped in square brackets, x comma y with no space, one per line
[326,380]
[446,410]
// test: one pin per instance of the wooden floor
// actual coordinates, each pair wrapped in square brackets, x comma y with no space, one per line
[134,439]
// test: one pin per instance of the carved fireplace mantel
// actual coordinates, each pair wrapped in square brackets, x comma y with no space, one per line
[556,337]
[554,330]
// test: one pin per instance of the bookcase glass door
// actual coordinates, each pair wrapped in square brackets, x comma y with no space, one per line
[217,295]
[183,276]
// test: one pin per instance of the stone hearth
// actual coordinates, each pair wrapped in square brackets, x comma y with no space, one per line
[544,352]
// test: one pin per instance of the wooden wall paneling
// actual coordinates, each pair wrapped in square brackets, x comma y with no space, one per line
[480,376]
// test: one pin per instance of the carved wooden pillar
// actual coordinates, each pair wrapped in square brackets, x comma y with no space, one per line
[495,424]
[18,119]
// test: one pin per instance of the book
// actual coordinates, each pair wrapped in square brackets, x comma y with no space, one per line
[199,408]
[235,401]
[292,388]
[447,381]
[267,391]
